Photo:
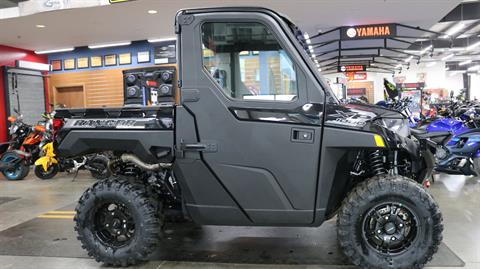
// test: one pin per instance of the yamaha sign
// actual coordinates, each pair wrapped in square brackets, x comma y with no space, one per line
[374,31]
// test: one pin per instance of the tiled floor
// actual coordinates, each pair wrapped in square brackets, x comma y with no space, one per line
[459,199]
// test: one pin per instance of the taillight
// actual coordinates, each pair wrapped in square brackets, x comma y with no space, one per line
[11,119]
[39,128]
[57,124]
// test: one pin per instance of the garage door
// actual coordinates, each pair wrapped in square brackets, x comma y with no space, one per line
[26,93]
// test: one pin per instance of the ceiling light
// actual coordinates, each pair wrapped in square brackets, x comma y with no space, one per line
[318,65]
[474,45]
[408,59]
[310,48]
[447,68]
[109,45]
[40,26]
[313,55]
[319,69]
[456,49]
[430,64]
[474,68]
[455,29]
[448,57]
[426,49]
[53,51]
[152,11]
[465,62]
[161,39]
[373,64]
[307,37]
[398,66]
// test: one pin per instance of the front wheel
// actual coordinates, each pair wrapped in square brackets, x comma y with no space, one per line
[19,168]
[476,166]
[50,173]
[117,222]
[389,222]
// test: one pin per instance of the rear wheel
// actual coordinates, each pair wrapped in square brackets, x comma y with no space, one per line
[50,173]
[118,223]
[389,222]
[19,170]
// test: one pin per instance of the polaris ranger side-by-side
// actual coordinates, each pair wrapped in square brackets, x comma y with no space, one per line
[258,139]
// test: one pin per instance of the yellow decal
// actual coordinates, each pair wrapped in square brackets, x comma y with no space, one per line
[379,141]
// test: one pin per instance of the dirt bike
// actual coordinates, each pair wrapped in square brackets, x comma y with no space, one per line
[21,149]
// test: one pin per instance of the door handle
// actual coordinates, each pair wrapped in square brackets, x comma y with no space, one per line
[301,135]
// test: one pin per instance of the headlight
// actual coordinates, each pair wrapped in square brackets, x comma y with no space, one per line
[398,126]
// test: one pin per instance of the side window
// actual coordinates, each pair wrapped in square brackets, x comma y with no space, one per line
[248,62]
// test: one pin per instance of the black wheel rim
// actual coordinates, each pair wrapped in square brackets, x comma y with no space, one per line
[390,228]
[114,224]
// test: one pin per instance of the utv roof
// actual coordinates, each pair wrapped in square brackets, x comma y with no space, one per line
[233,9]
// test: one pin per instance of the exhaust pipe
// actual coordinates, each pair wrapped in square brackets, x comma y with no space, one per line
[146,166]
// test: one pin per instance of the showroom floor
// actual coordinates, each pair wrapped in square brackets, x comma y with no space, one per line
[38,233]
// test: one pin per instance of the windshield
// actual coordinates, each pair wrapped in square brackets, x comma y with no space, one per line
[308,48]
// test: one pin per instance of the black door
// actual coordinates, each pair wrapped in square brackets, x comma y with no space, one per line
[246,94]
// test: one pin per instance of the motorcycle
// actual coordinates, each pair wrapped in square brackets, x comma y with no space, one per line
[48,165]
[460,154]
[21,148]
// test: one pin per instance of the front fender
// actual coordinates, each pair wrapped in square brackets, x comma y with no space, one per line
[46,162]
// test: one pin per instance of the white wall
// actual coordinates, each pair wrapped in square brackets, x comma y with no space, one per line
[475,86]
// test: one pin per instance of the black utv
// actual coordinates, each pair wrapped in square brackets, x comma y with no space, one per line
[257,139]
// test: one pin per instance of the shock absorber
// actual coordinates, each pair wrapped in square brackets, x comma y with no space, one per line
[376,163]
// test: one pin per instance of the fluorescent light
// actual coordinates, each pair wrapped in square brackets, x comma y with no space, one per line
[474,68]
[152,11]
[456,73]
[316,61]
[430,64]
[426,49]
[109,45]
[408,59]
[310,48]
[318,65]
[319,69]
[447,68]
[448,57]
[314,55]
[398,66]
[465,62]
[457,49]
[471,47]
[40,26]
[373,64]
[53,51]
[161,39]
[455,29]
[33,65]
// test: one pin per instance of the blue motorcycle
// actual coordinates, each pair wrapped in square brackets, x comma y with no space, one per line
[457,136]
[461,154]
